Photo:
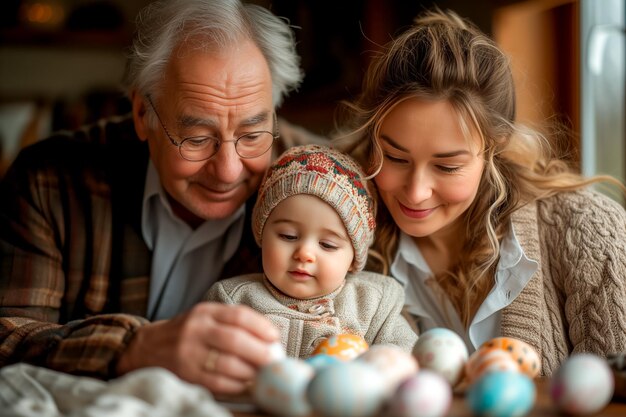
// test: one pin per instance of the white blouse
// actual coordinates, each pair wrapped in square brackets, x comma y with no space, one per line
[514,270]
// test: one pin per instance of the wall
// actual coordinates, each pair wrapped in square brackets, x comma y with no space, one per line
[68,73]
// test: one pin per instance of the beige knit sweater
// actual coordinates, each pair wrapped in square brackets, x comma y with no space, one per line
[576,301]
[367,304]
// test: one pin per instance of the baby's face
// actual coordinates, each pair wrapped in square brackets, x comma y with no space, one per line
[306,249]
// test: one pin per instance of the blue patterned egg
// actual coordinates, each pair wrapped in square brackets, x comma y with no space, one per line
[280,388]
[502,394]
[321,361]
[348,389]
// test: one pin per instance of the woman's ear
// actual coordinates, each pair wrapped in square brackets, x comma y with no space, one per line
[138,102]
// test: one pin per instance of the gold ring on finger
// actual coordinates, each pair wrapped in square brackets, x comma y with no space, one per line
[210,363]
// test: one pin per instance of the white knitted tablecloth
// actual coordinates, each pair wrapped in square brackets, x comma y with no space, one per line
[29,391]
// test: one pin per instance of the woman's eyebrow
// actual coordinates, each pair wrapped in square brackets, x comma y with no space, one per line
[392,143]
[451,154]
[437,155]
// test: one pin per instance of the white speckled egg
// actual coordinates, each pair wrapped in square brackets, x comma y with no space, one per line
[425,394]
[443,351]
[582,385]
[393,364]
[348,389]
[280,388]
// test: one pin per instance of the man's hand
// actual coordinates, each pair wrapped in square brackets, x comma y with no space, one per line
[216,345]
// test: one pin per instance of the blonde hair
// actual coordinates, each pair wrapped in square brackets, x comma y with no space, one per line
[444,57]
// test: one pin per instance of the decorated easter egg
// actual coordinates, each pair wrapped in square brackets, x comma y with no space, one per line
[501,394]
[342,346]
[489,360]
[280,387]
[442,351]
[393,364]
[321,361]
[583,384]
[348,389]
[524,354]
[424,394]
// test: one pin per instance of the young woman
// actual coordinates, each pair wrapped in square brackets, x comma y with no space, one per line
[491,234]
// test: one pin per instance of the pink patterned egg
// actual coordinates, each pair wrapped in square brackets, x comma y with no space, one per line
[583,384]
[425,394]
[393,364]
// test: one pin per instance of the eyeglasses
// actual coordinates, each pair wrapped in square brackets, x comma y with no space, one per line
[200,148]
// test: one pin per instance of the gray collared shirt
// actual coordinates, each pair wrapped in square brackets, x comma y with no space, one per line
[514,270]
[185,262]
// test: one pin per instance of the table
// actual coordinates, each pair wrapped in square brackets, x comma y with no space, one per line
[543,406]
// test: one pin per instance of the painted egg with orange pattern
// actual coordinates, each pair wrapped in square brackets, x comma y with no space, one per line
[524,354]
[342,346]
[482,362]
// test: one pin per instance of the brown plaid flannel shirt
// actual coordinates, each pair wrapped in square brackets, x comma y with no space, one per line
[74,269]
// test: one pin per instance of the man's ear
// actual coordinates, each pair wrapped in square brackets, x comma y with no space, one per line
[140,115]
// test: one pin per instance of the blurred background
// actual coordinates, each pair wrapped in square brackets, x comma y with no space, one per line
[61,62]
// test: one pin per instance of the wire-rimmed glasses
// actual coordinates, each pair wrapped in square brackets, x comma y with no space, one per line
[200,148]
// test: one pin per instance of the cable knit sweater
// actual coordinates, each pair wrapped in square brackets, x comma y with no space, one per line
[576,301]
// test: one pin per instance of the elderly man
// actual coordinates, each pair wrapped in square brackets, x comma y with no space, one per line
[109,236]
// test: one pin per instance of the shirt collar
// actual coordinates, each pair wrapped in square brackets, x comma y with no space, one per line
[152,192]
[514,271]
[512,257]
[408,253]
[514,263]
[152,186]
[511,251]
[151,217]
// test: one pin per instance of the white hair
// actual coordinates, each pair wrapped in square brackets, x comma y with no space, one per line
[162,25]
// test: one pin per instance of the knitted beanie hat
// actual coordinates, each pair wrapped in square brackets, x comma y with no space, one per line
[328,174]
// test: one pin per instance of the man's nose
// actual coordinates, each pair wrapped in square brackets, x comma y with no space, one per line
[226,163]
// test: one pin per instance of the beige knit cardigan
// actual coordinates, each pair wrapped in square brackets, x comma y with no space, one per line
[367,304]
[576,301]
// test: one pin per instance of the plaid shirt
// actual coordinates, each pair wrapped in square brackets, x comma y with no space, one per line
[74,269]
